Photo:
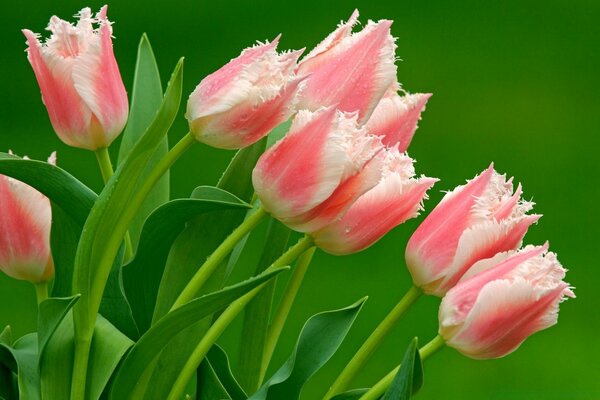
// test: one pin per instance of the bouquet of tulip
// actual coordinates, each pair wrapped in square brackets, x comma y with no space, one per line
[131,284]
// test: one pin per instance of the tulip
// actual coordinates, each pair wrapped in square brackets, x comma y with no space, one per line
[25,221]
[396,117]
[324,163]
[240,103]
[471,223]
[397,197]
[80,80]
[350,71]
[490,313]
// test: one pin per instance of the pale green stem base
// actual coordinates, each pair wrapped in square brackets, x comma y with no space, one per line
[380,387]
[216,258]
[373,342]
[41,291]
[289,295]
[227,317]
[85,319]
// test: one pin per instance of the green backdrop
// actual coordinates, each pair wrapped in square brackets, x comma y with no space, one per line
[514,82]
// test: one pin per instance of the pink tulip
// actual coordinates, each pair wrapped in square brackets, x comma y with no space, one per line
[350,71]
[80,80]
[396,117]
[311,177]
[471,223]
[490,313]
[397,197]
[241,102]
[25,219]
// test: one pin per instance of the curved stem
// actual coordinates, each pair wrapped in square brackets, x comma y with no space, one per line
[285,306]
[41,291]
[214,260]
[380,387]
[215,331]
[85,319]
[373,342]
[106,169]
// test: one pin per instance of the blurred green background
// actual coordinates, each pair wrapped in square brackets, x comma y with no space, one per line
[515,82]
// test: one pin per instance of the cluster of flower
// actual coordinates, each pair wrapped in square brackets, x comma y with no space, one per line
[341,174]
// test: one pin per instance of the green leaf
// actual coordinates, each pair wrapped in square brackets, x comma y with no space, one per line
[64,237]
[112,213]
[157,337]
[25,364]
[409,378]
[51,313]
[6,336]
[56,364]
[354,394]
[141,277]
[72,196]
[146,98]
[115,306]
[319,339]
[256,316]
[215,379]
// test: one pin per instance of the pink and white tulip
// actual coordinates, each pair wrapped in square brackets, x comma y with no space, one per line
[241,102]
[310,177]
[396,118]
[80,80]
[471,223]
[490,313]
[351,71]
[397,197]
[25,218]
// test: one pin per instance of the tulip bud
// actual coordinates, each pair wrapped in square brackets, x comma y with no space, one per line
[311,176]
[241,102]
[398,196]
[471,223]
[80,80]
[25,220]
[490,313]
[396,117]
[350,71]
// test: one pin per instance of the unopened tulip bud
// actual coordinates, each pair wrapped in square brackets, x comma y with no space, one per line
[490,313]
[80,80]
[471,223]
[311,177]
[351,71]
[396,117]
[241,102]
[25,218]
[396,198]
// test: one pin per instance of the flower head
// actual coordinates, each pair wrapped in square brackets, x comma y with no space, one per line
[25,220]
[242,101]
[472,222]
[505,299]
[80,80]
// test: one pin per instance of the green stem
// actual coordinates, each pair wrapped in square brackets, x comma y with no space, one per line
[289,295]
[380,387]
[106,169]
[214,260]
[41,291]
[373,342]
[215,331]
[85,317]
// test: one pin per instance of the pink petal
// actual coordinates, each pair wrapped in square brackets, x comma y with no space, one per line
[396,118]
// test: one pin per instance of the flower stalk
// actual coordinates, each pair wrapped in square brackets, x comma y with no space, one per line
[373,342]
